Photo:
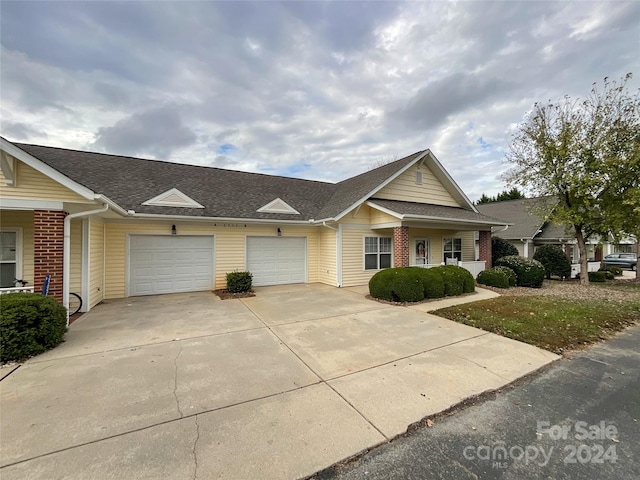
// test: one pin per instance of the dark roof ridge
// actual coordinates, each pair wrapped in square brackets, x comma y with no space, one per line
[167,162]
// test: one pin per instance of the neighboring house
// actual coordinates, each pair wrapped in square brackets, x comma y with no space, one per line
[530,231]
[107,226]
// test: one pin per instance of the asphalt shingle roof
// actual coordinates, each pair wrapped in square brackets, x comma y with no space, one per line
[439,211]
[130,182]
[527,223]
[224,193]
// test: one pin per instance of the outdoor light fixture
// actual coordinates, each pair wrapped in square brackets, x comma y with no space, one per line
[279,232]
[173,230]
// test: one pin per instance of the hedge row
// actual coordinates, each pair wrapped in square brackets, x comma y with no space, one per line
[529,272]
[413,284]
[500,277]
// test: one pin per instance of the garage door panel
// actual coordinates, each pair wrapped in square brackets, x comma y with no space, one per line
[276,260]
[170,264]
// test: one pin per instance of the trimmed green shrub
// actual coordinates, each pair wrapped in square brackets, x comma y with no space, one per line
[501,248]
[494,278]
[554,260]
[529,272]
[616,271]
[513,279]
[29,325]
[238,282]
[598,277]
[432,282]
[397,285]
[457,280]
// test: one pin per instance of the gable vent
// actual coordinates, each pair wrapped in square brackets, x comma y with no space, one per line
[278,206]
[418,177]
[173,198]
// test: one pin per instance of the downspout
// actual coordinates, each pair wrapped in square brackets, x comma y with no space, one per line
[66,258]
[338,251]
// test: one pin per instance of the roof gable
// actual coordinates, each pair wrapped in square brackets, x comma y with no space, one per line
[173,198]
[278,206]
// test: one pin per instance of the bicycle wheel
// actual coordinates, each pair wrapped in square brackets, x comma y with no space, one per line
[75,303]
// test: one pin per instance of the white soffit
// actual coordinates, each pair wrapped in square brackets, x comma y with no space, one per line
[173,198]
[278,206]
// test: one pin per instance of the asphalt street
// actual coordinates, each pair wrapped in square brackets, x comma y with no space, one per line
[578,419]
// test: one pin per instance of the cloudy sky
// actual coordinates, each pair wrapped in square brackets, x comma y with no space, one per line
[318,90]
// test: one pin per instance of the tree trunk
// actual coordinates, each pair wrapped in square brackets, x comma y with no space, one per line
[582,248]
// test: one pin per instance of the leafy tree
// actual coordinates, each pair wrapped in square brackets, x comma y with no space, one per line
[586,155]
[513,194]
[501,248]
[554,260]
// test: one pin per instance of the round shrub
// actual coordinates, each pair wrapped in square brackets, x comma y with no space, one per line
[554,260]
[432,282]
[397,285]
[457,280]
[513,279]
[494,278]
[29,324]
[616,271]
[598,277]
[501,248]
[529,272]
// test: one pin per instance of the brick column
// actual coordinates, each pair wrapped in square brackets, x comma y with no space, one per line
[598,253]
[400,246]
[567,251]
[48,250]
[484,244]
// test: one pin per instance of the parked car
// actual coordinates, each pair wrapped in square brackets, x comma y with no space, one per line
[622,260]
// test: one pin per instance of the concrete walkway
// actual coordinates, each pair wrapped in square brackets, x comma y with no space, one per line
[278,386]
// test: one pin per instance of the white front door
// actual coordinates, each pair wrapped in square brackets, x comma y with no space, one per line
[170,264]
[420,251]
[277,260]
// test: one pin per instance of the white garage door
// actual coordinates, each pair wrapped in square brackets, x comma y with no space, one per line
[277,260]
[170,264]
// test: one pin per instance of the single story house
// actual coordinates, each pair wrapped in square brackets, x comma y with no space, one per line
[528,231]
[108,226]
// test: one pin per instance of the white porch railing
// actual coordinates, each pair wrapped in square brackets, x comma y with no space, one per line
[16,289]
[473,267]
[591,267]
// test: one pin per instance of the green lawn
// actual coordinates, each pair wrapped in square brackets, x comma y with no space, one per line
[553,323]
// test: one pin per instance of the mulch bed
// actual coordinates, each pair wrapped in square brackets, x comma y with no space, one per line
[426,300]
[225,294]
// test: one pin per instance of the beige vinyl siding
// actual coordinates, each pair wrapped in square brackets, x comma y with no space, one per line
[436,237]
[378,217]
[405,188]
[519,246]
[361,216]
[229,255]
[327,256]
[96,262]
[353,272]
[75,272]
[33,185]
[23,220]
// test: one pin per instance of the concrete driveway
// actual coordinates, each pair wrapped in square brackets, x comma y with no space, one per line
[280,385]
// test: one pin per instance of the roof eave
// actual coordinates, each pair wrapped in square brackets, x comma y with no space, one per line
[45,169]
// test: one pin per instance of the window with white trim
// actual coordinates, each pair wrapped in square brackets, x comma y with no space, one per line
[8,258]
[377,253]
[452,248]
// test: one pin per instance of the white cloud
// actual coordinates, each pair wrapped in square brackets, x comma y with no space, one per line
[312,89]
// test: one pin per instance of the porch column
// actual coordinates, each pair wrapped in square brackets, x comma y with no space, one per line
[400,246]
[484,244]
[48,250]
[568,248]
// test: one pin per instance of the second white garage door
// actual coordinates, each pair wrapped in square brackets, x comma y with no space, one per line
[277,260]
[170,264]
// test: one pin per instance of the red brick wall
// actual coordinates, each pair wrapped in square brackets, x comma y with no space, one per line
[484,244]
[400,246]
[48,250]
